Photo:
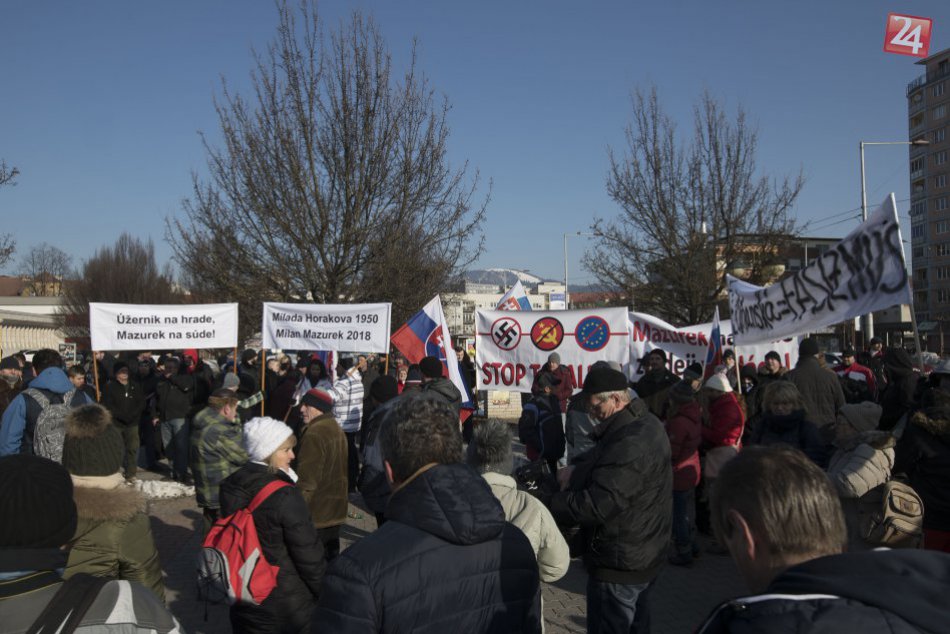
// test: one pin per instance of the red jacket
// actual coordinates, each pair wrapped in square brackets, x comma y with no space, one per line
[858,372]
[562,391]
[725,422]
[684,428]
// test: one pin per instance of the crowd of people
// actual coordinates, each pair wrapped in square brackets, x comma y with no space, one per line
[784,469]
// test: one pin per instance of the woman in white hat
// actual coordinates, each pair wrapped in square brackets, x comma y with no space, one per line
[286,533]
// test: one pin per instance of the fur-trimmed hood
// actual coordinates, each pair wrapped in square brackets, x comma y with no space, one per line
[121,503]
[934,420]
[87,421]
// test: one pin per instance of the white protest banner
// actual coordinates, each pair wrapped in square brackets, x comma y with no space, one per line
[687,345]
[340,327]
[862,273]
[512,345]
[162,326]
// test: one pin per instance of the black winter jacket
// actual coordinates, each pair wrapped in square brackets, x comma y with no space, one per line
[125,402]
[821,390]
[793,430]
[445,560]
[288,540]
[445,390]
[174,396]
[621,495]
[898,397]
[885,591]
[923,454]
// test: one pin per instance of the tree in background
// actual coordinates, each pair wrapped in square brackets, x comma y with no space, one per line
[333,182]
[45,269]
[690,211]
[7,243]
[124,273]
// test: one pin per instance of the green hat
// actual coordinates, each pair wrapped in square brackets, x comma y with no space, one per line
[93,445]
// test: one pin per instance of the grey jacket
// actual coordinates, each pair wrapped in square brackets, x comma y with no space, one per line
[862,464]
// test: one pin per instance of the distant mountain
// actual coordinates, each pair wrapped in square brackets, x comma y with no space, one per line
[503,277]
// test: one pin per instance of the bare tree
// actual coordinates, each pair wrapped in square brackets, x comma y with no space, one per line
[333,183]
[7,243]
[690,211]
[124,273]
[8,174]
[46,268]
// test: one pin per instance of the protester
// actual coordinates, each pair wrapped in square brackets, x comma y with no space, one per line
[248,366]
[413,381]
[284,528]
[347,393]
[781,519]
[77,376]
[857,381]
[126,402]
[684,429]
[539,426]
[174,398]
[563,381]
[490,453]
[819,387]
[434,382]
[216,450]
[468,569]
[18,427]
[728,368]
[11,381]
[40,521]
[620,493]
[899,397]
[113,538]
[322,467]
[656,382]
[784,421]
[372,482]
[923,455]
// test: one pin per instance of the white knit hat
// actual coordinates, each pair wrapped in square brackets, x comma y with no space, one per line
[262,437]
[719,383]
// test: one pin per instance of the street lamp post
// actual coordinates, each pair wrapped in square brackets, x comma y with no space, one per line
[576,233]
[867,324]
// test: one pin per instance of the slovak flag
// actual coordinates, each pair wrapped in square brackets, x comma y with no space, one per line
[427,335]
[714,351]
[515,299]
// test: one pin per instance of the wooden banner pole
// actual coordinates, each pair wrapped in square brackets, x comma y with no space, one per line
[263,370]
[95,374]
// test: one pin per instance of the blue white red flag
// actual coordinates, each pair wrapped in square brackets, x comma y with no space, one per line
[515,299]
[426,334]
[714,350]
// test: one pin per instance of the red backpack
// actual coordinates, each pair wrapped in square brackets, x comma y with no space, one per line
[231,565]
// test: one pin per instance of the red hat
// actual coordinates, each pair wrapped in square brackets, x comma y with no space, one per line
[318,398]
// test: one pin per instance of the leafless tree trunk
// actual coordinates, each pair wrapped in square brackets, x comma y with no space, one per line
[47,267]
[689,212]
[124,273]
[7,243]
[333,183]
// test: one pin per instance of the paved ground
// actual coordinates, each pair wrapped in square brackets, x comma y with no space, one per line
[681,599]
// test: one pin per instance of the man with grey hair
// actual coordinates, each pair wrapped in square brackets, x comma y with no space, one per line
[780,518]
[490,454]
[620,493]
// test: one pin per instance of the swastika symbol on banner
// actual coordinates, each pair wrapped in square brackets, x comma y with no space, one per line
[506,333]
[547,333]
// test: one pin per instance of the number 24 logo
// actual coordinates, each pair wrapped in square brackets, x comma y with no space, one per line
[907,35]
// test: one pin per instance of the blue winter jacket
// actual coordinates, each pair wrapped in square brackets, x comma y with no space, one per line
[16,426]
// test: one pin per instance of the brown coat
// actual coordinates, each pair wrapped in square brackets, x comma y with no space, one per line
[321,467]
[8,393]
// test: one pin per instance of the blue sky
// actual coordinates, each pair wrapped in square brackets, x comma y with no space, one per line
[101,103]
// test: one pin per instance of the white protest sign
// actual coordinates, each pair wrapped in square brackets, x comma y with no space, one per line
[688,344]
[512,345]
[162,326]
[340,327]
[862,273]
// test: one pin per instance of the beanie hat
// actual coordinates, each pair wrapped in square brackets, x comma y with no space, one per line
[318,398]
[490,448]
[93,445]
[693,372]
[248,355]
[682,392]
[728,353]
[600,380]
[431,367]
[719,383]
[862,416]
[36,504]
[120,366]
[384,388]
[231,381]
[772,354]
[749,371]
[263,436]
[808,347]
[660,352]
[554,358]
[413,375]
[9,363]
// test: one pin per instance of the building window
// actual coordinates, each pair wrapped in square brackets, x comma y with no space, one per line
[918,252]
[918,208]
[940,204]
[939,112]
[917,231]
[937,90]
[940,157]
[943,226]
[917,164]
[942,249]
[943,295]
[943,272]
[940,180]
[937,136]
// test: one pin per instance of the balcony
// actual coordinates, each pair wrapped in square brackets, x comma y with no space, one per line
[926,78]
